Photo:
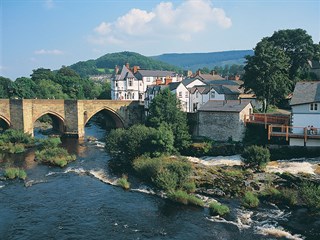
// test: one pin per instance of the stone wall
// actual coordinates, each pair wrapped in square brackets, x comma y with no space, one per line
[5,110]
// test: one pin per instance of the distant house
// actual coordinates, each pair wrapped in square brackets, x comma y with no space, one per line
[209,77]
[213,90]
[223,120]
[305,104]
[314,67]
[133,83]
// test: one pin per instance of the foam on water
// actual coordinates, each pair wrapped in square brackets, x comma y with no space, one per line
[101,175]
[2,186]
[144,189]
[33,182]
[293,167]
[215,161]
[277,232]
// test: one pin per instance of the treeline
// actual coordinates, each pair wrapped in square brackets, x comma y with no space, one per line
[46,84]
[225,70]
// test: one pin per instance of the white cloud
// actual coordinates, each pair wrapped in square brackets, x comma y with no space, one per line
[165,22]
[103,28]
[48,52]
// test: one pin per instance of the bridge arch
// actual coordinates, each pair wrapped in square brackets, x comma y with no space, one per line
[4,123]
[118,121]
[58,122]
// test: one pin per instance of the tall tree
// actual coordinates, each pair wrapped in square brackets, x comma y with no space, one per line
[298,46]
[165,109]
[266,72]
[25,88]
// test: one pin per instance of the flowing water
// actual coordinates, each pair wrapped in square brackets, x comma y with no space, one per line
[81,202]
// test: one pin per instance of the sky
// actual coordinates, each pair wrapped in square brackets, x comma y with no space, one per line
[55,33]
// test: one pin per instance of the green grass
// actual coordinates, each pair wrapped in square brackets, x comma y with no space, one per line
[12,173]
[218,209]
[250,200]
[184,198]
[123,182]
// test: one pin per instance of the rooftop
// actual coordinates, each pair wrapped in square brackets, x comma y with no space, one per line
[224,106]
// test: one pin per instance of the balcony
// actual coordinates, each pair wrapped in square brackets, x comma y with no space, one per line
[267,119]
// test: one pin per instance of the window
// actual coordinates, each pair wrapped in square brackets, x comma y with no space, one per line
[313,107]
[116,84]
[197,95]
[213,94]
[186,95]
[148,79]
[130,82]
[180,94]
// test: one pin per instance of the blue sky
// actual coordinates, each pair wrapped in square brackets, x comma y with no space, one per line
[52,33]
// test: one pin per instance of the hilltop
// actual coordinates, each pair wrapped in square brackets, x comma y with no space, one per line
[171,61]
[107,62]
[194,61]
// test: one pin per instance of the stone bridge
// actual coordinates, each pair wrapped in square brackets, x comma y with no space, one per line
[69,116]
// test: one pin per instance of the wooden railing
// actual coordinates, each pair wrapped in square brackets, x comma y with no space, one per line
[293,132]
[267,119]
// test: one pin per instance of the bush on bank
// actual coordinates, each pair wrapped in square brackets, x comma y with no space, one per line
[218,209]
[123,182]
[255,157]
[54,156]
[250,200]
[13,173]
[15,141]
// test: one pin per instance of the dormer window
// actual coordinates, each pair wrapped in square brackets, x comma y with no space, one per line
[213,94]
[130,82]
[313,107]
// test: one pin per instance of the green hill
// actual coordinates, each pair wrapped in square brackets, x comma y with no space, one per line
[106,63]
[194,61]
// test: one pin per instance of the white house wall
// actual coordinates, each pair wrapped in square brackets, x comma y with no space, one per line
[302,117]
[184,97]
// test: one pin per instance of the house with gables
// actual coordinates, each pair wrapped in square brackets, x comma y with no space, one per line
[132,83]
[305,105]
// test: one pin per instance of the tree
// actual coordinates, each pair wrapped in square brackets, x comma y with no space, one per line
[6,87]
[298,46]
[165,108]
[42,74]
[266,73]
[255,157]
[25,88]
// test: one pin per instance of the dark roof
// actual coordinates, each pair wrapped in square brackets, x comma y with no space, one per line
[306,92]
[187,81]
[151,89]
[223,82]
[205,76]
[173,85]
[125,73]
[221,89]
[224,106]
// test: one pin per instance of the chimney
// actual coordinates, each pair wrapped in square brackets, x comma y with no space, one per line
[135,69]
[168,80]
[213,72]
[158,81]
[116,69]
[198,73]
[127,65]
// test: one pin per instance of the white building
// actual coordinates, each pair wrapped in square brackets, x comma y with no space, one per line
[305,104]
[132,83]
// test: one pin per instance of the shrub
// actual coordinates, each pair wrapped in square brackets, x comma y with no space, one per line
[289,196]
[255,157]
[166,180]
[147,167]
[13,173]
[50,143]
[16,136]
[198,149]
[271,193]
[123,182]
[189,186]
[218,209]
[250,200]
[184,198]
[310,194]
[56,156]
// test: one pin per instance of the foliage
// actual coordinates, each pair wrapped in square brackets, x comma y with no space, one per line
[13,173]
[199,149]
[278,62]
[310,194]
[255,157]
[16,136]
[54,156]
[289,196]
[123,182]
[50,143]
[250,200]
[167,173]
[126,145]
[218,209]
[165,109]
[184,198]
[109,61]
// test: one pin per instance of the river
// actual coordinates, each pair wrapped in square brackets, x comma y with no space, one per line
[80,202]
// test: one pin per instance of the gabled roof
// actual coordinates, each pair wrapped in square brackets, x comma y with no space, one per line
[151,89]
[224,106]
[154,73]
[209,77]
[173,85]
[306,92]
[187,81]
[125,73]
[221,89]
[224,82]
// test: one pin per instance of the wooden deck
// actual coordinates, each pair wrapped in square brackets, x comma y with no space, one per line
[267,119]
[293,132]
